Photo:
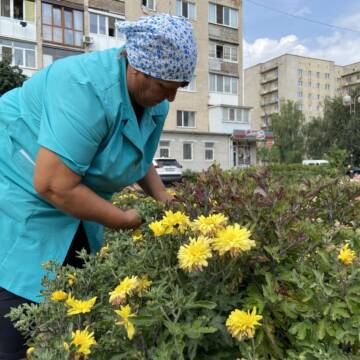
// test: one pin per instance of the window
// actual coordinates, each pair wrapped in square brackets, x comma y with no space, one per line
[309,84]
[309,73]
[223,52]
[223,84]
[300,72]
[185,119]
[300,83]
[300,94]
[327,76]
[310,96]
[318,74]
[209,151]
[191,86]
[103,25]
[21,53]
[232,114]
[223,15]
[62,25]
[318,85]
[327,86]
[149,4]
[164,149]
[187,151]
[18,9]
[299,106]
[318,96]
[186,9]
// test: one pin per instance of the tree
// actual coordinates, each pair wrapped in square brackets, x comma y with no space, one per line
[10,76]
[338,128]
[287,130]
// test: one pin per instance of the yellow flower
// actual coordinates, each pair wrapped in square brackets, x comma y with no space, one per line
[347,256]
[233,239]
[104,251]
[209,225]
[71,279]
[144,284]
[171,192]
[194,256]
[136,235]
[59,296]
[241,324]
[66,346]
[127,287]
[29,351]
[174,222]
[125,314]
[157,228]
[83,340]
[79,306]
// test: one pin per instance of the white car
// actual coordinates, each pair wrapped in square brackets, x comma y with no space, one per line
[168,169]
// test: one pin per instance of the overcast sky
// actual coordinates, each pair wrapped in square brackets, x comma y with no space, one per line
[268,34]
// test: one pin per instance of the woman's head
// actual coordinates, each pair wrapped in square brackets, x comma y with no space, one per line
[162,53]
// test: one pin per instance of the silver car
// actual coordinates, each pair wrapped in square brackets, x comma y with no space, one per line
[168,168]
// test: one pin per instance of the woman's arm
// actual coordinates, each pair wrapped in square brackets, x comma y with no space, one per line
[61,187]
[153,186]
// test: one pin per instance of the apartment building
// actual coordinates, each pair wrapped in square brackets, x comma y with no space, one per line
[306,81]
[208,121]
[350,79]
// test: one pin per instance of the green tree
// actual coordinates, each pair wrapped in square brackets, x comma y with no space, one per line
[10,76]
[338,128]
[287,127]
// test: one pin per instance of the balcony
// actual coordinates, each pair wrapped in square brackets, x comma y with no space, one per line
[17,29]
[103,42]
[268,91]
[217,123]
[269,102]
[269,79]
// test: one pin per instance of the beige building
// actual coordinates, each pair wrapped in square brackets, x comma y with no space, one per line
[350,79]
[306,81]
[207,122]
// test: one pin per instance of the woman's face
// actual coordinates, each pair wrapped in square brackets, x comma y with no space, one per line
[147,91]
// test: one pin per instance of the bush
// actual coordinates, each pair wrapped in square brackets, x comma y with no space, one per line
[306,295]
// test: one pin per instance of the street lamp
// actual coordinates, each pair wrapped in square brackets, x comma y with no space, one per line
[348,101]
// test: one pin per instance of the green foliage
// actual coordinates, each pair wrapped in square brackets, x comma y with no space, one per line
[336,157]
[308,298]
[10,76]
[287,127]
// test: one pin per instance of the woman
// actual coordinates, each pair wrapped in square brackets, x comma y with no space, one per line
[71,136]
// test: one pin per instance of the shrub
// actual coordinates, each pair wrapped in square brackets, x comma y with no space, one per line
[275,265]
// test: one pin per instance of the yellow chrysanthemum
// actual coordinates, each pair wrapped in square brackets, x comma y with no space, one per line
[347,256]
[126,287]
[171,192]
[104,251]
[143,284]
[193,257]
[157,228]
[71,279]
[137,235]
[233,239]
[29,351]
[66,346]
[209,225]
[174,222]
[59,296]
[83,340]
[125,314]
[241,324]
[79,306]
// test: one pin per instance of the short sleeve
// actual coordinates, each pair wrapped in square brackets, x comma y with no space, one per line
[73,122]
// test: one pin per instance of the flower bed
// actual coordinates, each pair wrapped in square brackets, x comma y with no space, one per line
[239,267]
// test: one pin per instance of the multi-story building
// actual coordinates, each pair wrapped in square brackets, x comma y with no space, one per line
[306,81]
[350,79]
[207,122]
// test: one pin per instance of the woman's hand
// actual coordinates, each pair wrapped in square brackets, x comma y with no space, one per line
[133,219]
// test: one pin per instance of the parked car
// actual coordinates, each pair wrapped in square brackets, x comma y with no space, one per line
[168,168]
[353,172]
[315,162]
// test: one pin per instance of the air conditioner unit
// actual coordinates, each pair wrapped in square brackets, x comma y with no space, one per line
[88,39]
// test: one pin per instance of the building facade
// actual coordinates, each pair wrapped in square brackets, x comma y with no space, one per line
[207,116]
[306,81]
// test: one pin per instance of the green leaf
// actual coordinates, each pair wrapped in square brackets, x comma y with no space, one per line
[321,329]
[201,304]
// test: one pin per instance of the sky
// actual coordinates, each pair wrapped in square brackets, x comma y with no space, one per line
[268,34]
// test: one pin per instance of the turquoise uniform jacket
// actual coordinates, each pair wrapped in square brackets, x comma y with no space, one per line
[79,108]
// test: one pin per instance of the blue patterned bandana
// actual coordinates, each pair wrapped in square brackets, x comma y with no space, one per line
[162,46]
